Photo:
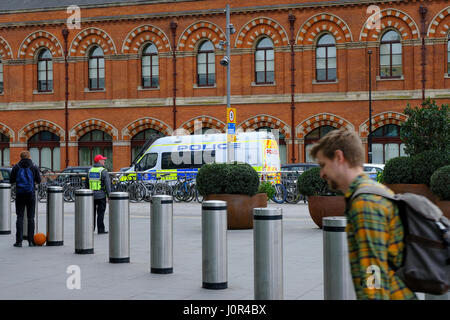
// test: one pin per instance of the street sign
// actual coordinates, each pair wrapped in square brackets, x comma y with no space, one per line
[231,128]
[231,115]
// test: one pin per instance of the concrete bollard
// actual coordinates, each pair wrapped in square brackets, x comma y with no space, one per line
[214,245]
[337,278]
[268,253]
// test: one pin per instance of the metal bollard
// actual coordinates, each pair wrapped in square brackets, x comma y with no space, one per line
[268,253]
[161,234]
[214,245]
[337,278]
[55,216]
[5,208]
[84,221]
[445,296]
[119,227]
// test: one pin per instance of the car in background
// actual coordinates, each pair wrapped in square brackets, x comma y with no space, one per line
[372,169]
[5,173]
[70,174]
[297,169]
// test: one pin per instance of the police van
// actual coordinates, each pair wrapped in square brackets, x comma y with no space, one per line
[172,157]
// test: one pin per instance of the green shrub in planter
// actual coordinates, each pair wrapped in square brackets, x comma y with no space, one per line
[440,183]
[267,188]
[426,163]
[233,178]
[398,170]
[309,183]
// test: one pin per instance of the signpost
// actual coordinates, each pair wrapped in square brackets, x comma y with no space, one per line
[231,133]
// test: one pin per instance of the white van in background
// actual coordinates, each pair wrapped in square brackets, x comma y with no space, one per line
[178,154]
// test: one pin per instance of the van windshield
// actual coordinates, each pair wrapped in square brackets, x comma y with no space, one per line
[147,162]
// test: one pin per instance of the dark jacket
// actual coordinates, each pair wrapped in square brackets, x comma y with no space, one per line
[106,184]
[25,163]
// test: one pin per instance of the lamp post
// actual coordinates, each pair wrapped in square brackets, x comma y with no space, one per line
[369,138]
[226,63]
[65,34]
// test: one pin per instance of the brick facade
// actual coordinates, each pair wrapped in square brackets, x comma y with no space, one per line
[124,108]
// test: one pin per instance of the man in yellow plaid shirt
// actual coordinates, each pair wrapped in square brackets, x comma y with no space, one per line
[374,229]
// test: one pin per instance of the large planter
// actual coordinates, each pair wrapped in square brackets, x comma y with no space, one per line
[444,206]
[240,208]
[325,206]
[421,189]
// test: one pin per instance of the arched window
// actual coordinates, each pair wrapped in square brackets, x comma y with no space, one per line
[150,67]
[44,150]
[313,137]
[96,69]
[386,144]
[390,55]
[45,71]
[4,150]
[206,65]
[138,141]
[1,76]
[448,55]
[264,62]
[92,143]
[326,58]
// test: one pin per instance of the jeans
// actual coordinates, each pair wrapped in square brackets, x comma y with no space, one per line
[22,202]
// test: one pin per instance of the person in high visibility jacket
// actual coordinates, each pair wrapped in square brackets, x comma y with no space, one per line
[99,181]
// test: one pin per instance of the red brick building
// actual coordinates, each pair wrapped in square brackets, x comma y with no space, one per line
[138,69]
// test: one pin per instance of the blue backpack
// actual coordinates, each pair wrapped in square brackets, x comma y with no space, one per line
[25,181]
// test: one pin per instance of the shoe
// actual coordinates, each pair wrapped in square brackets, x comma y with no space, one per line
[103,232]
[31,244]
[18,244]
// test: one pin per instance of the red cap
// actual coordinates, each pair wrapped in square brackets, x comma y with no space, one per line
[99,157]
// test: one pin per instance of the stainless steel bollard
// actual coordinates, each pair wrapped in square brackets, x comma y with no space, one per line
[214,245]
[161,234]
[84,221]
[55,216]
[337,279]
[119,227]
[268,253]
[5,208]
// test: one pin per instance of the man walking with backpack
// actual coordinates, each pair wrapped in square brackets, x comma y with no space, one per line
[374,229]
[25,174]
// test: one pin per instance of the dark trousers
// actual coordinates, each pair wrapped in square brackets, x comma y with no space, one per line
[99,212]
[22,202]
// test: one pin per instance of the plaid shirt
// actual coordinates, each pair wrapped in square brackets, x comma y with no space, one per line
[375,236]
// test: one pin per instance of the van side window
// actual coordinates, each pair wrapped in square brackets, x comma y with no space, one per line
[186,159]
[147,162]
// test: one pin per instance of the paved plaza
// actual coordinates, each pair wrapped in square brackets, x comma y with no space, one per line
[41,272]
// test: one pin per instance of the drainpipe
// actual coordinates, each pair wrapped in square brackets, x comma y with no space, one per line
[423,12]
[292,41]
[173,28]
[65,33]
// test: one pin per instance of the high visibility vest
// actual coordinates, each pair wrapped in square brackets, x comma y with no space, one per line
[95,178]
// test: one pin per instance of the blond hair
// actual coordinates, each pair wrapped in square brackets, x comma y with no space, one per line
[25,154]
[345,140]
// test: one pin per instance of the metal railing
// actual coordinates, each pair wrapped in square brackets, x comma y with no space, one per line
[141,186]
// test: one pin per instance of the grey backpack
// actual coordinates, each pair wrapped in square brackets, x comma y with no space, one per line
[426,262]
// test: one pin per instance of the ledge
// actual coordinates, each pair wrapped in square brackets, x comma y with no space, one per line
[325,82]
[43,92]
[447,76]
[89,90]
[254,84]
[196,86]
[390,79]
[148,89]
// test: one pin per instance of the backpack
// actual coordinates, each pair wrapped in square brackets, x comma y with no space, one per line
[25,181]
[426,261]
